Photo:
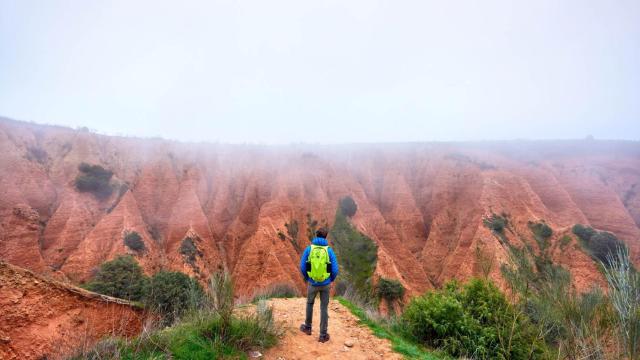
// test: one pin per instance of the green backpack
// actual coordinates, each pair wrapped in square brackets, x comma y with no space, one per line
[317,263]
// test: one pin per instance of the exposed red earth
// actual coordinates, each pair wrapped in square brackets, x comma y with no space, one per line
[45,319]
[422,203]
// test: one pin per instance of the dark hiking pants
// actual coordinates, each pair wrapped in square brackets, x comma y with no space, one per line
[324,305]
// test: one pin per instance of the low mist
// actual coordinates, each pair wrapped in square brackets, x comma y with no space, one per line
[325,72]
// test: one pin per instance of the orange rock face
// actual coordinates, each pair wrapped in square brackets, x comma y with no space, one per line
[41,318]
[423,204]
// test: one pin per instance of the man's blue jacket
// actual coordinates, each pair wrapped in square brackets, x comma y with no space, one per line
[332,257]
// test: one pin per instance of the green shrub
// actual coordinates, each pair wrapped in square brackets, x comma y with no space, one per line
[541,232]
[121,277]
[189,250]
[169,294]
[348,206]
[203,334]
[390,289]
[172,294]
[496,223]
[599,244]
[94,179]
[541,229]
[602,244]
[475,320]
[574,324]
[133,240]
[356,253]
[584,233]
[95,170]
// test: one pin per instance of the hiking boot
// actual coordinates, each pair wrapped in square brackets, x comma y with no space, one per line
[305,329]
[323,338]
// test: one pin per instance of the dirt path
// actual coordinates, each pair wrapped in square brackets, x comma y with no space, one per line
[343,328]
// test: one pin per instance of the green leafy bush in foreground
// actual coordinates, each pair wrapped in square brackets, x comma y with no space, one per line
[171,294]
[193,339]
[474,320]
[208,332]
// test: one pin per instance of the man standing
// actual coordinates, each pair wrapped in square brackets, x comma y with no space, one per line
[319,267]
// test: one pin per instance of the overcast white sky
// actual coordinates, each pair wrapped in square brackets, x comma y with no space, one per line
[325,71]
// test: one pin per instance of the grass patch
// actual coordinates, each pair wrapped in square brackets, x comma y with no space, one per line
[209,331]
[399,344]
[201,336]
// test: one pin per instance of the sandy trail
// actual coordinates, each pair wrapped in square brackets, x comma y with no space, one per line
[343,327]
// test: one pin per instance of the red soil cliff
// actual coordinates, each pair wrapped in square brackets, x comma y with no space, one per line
[44,319]
[423,204]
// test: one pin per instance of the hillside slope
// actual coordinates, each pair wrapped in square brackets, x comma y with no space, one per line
[201,207]
[44,319]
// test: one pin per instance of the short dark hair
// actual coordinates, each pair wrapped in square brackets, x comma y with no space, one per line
[322,233]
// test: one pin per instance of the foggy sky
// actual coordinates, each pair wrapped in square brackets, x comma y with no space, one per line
[325,71]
